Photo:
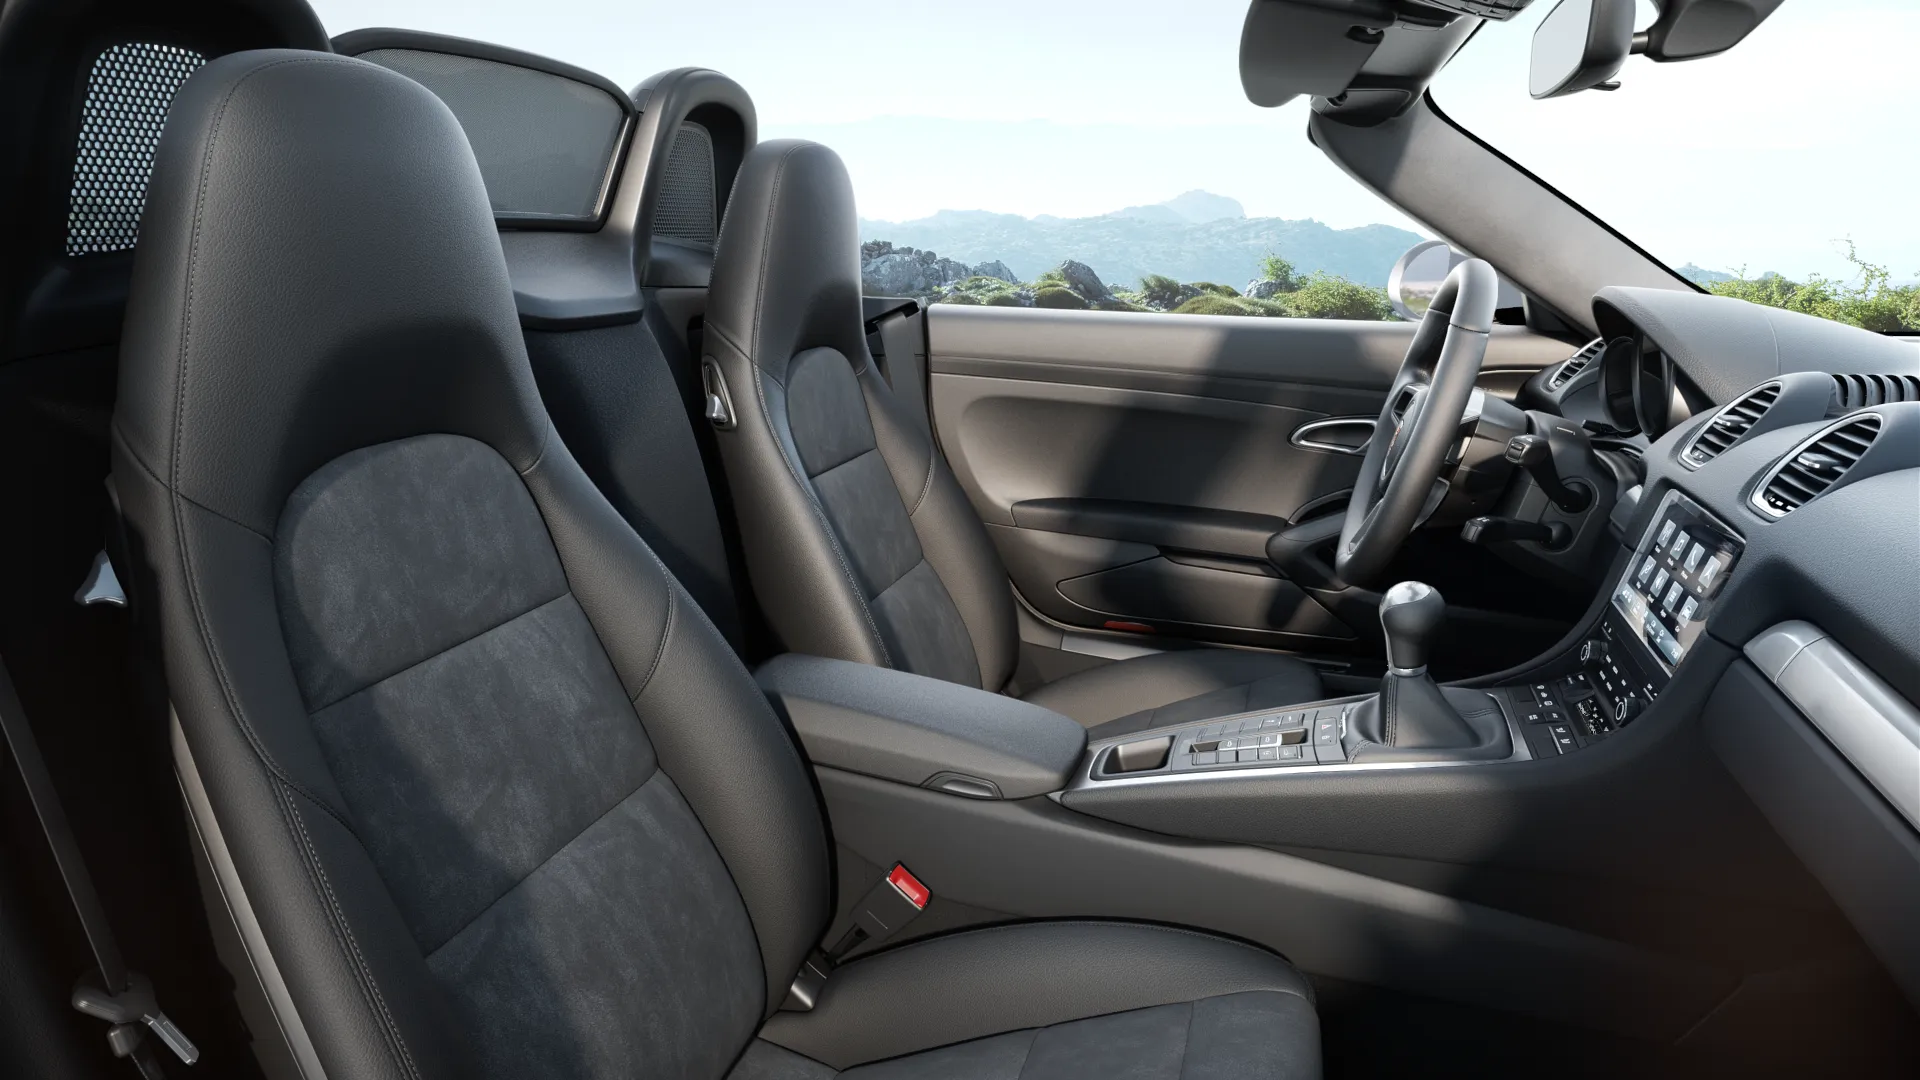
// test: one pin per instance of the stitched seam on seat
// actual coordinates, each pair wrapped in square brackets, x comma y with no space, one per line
[318,709]
[227,692]
[1186,1043]
[927,486]
[813,500]
[133,455]
[843,464]
[666,633]
[766,250]
[923,942]
[555,853]
[1026,1054]
[546,439]
[343,932]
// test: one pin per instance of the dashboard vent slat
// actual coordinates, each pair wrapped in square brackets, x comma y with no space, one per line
[1852,392]
[1575,364]
[1815,466]
[1730,424]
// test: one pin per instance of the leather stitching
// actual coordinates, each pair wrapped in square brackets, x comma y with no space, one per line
[1180,930]
[555,853]
[1186,1041]
[318,709]
[928,485]
[766,251]
[343,933]
[666,634]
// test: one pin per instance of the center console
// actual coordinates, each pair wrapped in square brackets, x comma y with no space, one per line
[1656,613]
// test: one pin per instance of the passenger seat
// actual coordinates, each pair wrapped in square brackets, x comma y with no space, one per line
[484,791]
[859,543]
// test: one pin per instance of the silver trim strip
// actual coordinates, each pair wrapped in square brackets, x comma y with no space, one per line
[233,896]
[1684,455]
[1302,436]
[1872,726]
[1758,500]
[1084,778]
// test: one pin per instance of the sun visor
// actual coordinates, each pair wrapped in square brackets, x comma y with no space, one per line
[1314,47]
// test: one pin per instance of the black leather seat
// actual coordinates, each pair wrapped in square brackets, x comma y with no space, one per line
[859,542]
[484,791]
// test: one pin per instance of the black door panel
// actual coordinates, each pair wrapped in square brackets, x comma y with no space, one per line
[1132,466]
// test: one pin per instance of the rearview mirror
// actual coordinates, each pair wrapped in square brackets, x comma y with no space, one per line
[1580,45]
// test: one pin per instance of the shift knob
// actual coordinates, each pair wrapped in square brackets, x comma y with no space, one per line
[1410,613]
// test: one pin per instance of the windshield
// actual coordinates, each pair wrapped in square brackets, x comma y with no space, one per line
[1782,172]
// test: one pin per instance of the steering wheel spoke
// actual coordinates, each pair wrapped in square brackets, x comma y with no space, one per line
[1400,483]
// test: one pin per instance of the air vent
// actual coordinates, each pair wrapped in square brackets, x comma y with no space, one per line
[1815,465]
[1575,364]
[1730,425]
[1852,392]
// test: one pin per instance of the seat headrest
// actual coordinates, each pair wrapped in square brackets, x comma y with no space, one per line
[318,270]
[786,276]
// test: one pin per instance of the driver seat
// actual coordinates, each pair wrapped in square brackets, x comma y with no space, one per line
[859,542]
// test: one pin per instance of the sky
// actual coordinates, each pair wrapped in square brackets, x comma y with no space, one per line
[1761,158]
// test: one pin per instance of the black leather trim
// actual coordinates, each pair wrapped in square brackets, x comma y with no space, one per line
[975,983]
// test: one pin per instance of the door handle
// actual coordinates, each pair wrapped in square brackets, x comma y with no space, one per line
[1338,435]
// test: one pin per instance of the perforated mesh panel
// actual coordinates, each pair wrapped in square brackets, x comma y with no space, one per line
[128,93]
[685,211]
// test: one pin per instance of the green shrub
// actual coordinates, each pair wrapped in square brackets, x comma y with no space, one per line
[1217,290]
[1003,299]
[1869,301]
[983,283]
[1051,278]
[1279,271]
[1212,303]
[1328,296]
[960,298]
[1160,290]
[1054,296]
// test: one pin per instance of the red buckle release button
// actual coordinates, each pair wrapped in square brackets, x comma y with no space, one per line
[909,886]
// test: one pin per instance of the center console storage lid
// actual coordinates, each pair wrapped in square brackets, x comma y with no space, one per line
[914,730]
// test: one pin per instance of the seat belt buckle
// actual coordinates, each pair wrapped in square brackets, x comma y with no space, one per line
[896,901]
[127,1011]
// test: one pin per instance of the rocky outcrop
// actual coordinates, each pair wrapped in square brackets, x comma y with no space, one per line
[996,269]
[1263,290]
[1081,279]
[886,270]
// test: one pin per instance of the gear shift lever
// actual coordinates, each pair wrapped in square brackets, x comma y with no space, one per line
[1412,718]
[1410,613]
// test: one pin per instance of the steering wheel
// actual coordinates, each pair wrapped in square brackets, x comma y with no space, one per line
[1399,481]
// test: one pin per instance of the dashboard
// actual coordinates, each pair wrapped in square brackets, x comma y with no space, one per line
[1779,514]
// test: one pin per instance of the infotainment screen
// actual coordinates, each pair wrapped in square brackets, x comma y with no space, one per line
[1680,565]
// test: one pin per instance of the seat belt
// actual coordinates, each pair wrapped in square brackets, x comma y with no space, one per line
[109,992]
[903,346]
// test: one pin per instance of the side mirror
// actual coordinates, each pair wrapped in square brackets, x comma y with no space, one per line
[1417,276]
[1414,280]
[1581,44]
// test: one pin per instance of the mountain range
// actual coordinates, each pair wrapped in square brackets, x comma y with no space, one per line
[1196,236]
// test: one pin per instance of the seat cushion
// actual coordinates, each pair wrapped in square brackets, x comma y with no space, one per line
[1041,1001]
[1177,688]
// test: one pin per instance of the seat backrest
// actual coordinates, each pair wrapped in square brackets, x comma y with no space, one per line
[608,361]
[859,542]
[497,795]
